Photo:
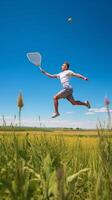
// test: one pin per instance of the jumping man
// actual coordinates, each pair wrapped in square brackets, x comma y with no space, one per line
[67,91]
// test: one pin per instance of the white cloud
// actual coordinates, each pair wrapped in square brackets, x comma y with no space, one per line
[90,113]
[93,111]
[69,112]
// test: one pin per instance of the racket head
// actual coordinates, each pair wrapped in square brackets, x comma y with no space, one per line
[35,58]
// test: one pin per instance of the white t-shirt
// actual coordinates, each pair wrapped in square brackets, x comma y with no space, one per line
[64,77]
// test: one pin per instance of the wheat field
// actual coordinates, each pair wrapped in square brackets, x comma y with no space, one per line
[55,166]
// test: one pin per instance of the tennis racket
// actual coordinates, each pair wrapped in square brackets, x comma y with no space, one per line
[35,58]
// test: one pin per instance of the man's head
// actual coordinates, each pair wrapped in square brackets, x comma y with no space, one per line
[65,66]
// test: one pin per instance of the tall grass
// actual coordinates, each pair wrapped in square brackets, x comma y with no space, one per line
[55,168]
[20,105]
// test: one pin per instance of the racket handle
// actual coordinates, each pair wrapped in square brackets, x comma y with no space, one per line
[40,68]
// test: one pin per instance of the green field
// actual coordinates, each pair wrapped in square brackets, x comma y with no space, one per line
[55,165]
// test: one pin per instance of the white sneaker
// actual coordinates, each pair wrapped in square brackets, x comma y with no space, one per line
[55,115]
[88,104]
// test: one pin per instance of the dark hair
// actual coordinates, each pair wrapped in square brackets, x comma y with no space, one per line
[67,64]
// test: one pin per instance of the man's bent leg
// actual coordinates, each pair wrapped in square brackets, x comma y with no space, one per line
[74,102]
[56,104]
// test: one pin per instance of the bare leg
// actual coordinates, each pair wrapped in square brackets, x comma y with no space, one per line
[74,102]
[56,104]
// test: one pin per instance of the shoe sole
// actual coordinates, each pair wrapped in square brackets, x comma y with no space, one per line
[56,116]
[88,105]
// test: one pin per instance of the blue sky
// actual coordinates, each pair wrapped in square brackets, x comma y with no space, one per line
[86,44]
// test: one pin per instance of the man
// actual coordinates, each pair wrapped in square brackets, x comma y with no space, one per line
[67,91]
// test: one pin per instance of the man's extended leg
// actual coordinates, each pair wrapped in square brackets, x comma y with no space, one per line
[56,113]
[56,103]
[61,94]
[74,102]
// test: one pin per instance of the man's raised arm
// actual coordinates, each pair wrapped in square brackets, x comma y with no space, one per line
[47,74]
[80,76]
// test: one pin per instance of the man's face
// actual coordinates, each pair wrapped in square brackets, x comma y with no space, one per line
[64,67]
